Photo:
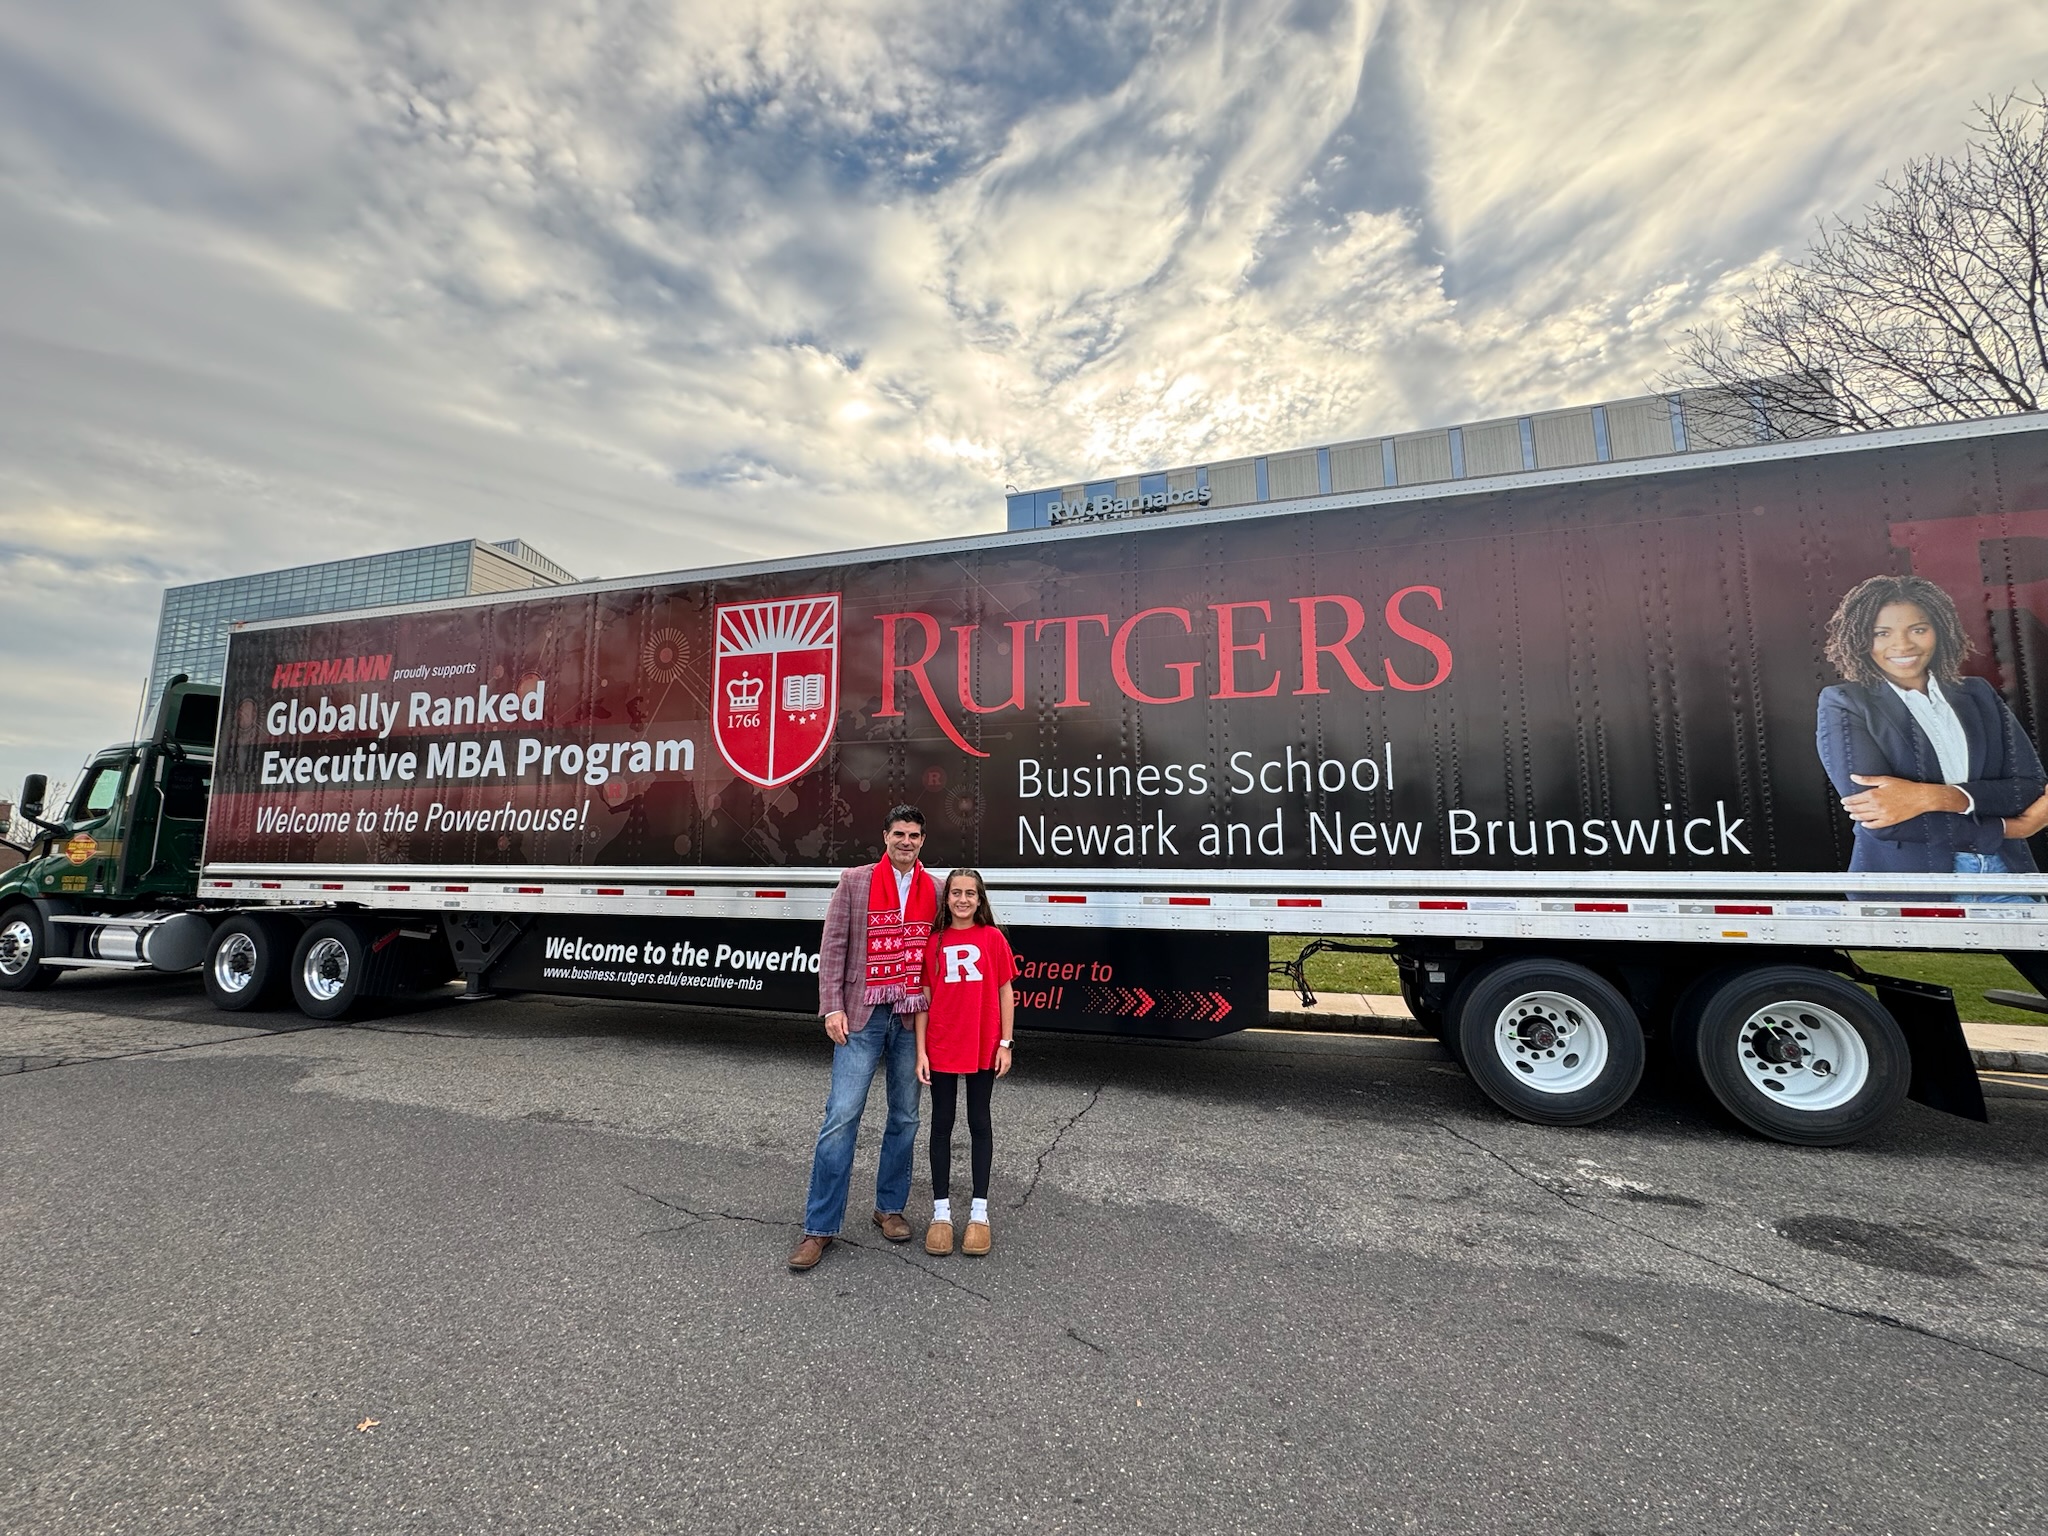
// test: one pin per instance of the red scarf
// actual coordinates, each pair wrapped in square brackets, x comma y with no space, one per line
[896,938]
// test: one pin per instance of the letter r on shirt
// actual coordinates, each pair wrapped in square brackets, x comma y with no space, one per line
[963,962]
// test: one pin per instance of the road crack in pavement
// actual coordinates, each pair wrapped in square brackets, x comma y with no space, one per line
[900,1256]
[698,1218]
[435,1034]
[1060,1135]
[1565,1196]
[26,1064]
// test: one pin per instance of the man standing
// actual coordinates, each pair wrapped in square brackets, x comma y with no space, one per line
[871,984]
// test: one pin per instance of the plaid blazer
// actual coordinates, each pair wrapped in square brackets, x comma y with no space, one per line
[843,952]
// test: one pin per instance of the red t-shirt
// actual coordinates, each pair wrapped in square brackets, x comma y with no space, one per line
[965,969]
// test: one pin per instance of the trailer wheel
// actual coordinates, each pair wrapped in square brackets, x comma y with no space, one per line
[330,969]
[24,942]
[248,964]
[1799,1055]
[1549,1041]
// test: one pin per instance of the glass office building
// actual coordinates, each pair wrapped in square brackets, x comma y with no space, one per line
[1692,421]
[192,634]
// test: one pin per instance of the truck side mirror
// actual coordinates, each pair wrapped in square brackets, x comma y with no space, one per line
[33,788]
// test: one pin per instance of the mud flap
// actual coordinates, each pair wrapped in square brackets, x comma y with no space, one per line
[1944,1076]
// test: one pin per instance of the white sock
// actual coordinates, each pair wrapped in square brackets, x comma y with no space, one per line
[942,1210]
[978,1211]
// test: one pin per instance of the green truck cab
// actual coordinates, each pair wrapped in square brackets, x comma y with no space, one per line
[112,876]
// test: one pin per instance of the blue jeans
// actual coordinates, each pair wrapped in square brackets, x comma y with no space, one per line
[1987,864]
[889,1038]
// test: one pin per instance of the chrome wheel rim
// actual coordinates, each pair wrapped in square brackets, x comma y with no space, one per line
[17,947]
[326,969]
[1803,1056]
[234,963]
[1551,1042]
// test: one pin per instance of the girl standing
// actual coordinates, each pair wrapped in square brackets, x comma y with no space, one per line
[964,1037]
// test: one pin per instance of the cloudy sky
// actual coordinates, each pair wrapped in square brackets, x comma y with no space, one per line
[654,283]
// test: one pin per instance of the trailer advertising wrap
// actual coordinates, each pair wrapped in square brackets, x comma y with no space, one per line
[1188,986]
[1622,675]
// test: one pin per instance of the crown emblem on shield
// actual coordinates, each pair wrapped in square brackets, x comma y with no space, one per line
[775,685]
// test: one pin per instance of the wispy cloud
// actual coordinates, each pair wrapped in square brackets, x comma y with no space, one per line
[657,285]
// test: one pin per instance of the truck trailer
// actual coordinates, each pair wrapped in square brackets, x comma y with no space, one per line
[1554,741]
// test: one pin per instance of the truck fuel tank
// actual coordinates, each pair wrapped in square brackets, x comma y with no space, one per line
[156,941]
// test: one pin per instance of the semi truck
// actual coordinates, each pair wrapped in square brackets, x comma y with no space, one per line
[1549,741]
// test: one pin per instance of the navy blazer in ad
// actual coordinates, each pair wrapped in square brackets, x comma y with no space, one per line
[1868,730]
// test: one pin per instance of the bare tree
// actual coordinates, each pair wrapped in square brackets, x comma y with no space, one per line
[1933,306]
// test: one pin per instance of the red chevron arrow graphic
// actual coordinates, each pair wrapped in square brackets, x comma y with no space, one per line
[1135,1001]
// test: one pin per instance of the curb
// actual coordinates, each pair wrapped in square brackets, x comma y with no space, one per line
[2035,1062]
[1343,1013]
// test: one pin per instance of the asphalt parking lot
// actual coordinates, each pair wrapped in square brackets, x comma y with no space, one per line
[518,1266]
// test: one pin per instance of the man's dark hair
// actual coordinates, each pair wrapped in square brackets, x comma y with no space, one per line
[902,813]
[1855,622]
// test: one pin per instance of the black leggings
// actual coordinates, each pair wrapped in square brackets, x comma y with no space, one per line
[981,1133]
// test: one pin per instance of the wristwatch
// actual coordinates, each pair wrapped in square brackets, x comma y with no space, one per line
[1006,1045]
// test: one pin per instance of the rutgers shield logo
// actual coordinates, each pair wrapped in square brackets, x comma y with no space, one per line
[775,686]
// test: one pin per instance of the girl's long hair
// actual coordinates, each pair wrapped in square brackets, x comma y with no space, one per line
[1855,622]
[983,917]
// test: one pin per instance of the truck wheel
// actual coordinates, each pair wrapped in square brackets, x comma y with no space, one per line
[247,964]
[24,941]
[330,969]
[1801,1056]
[1549,1041]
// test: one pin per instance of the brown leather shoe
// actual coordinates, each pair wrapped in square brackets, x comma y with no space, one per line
[894,1226]
[809,1251]
[978,1239]
[938,1239]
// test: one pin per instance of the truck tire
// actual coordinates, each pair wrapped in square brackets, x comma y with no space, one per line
[1548,1041]
[1799,1055]
[248,963]
[330,969]
[24,941]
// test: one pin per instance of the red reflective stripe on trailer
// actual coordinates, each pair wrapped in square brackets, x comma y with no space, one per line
[611,890]
[528,890]
[455,889]
[1187,901]
[223,885]
[770,895]
[1732,911]
[1070,900]
[1930,911]
[269,885]
[330,885]
[1440,906]
[397,887]
[1299,901]
[1599,906]
[678,893]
